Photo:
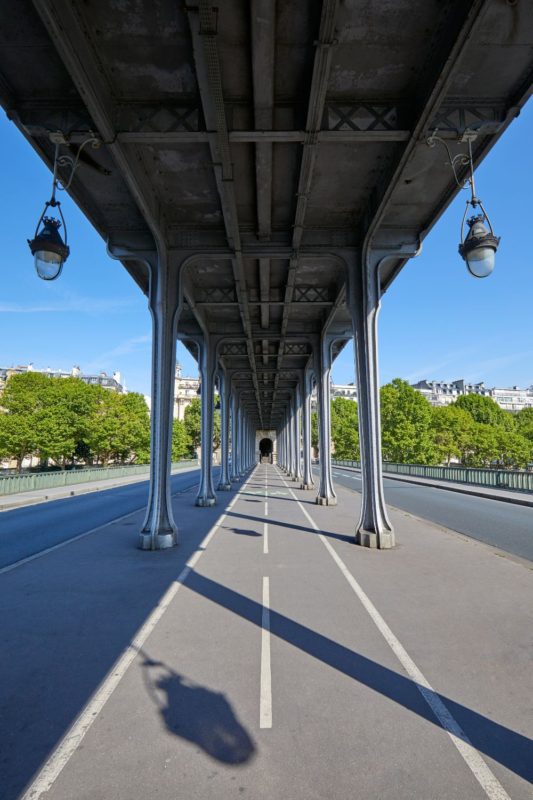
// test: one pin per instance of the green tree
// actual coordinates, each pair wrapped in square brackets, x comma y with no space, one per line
[62,426]
[452,431]
[23,401]
[514,450]
[484,447]
[193,424]
[105,426]
[485,410]
[405,424]
[345,428]
[524,423]
[136,428]
[17,437]
[181,443]
[314,430]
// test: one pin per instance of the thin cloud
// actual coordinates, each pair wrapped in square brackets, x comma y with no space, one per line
[108,358]
[87,305]
[430,370]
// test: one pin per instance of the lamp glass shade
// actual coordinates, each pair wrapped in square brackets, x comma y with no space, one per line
[49,250]
[48,265]
[480,261]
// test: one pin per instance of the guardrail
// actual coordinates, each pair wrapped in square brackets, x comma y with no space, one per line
[13,484]
[513,480]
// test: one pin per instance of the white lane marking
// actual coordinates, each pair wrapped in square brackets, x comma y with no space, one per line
[485,777]
[266,508]
[265,538]
[57,546]
[265,698]
[75,735]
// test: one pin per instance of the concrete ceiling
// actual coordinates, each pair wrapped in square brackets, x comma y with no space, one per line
[270,140]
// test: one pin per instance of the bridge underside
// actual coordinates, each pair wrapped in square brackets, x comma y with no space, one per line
[263,174]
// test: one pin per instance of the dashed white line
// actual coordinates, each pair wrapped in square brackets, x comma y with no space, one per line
[484,776]
[265,698]
[75,735]
[266,508]
[265,538]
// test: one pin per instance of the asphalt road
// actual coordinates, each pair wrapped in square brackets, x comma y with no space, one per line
[31,529]
[281,662]
[503,525]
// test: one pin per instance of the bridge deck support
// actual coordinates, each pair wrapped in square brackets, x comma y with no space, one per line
[326,493]
[159,530]
[307,481]
[224,390]
[206,494]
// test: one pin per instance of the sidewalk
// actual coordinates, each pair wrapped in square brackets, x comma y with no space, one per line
[267,656]
[505,495]
[21,499]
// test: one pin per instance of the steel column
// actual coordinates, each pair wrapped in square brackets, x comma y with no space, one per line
[159,531]
[224,389]
[374,528]
[206,494]
[234,437]
[307,482]
[326,493]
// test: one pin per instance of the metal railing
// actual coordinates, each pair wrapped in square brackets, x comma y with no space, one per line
[513,480]
[13,484]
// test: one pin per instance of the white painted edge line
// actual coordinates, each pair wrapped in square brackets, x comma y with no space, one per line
[478,766]
[75,735]
[57,546]
[265,538]
[265,695]
[34,556]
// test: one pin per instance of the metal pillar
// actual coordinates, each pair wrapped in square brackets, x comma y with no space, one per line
[234,437]
[307,482]
[374,528]
[326,493]
[240,454]
[206,494]
[224,389]
[297,419]
[159,530]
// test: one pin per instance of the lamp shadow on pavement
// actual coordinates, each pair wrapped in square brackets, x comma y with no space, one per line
[197,714]
[510,748]
[244,532]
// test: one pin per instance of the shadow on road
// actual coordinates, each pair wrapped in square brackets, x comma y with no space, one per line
[244,532]
[198,714]
[504,745]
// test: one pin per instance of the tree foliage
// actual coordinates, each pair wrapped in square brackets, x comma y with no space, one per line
[345,428]
[64,420]
[181,442]
[193,424]
[405,424]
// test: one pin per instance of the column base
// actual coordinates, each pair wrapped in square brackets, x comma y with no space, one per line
[376,541]
[205,502]
[307,486]
[161,541]
[223,487]
[326,501]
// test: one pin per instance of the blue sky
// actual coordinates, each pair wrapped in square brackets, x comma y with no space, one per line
[436,321]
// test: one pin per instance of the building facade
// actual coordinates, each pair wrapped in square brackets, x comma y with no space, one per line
[186,389]
[442,393]
[112,382]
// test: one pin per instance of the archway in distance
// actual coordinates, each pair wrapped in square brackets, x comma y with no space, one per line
[265,448]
